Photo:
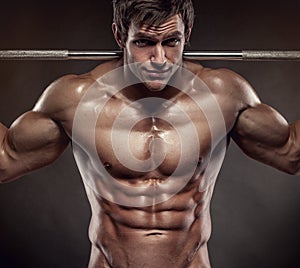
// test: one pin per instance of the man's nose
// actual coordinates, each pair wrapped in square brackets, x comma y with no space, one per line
[158,57]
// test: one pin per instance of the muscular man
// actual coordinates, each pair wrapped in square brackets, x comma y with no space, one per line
[149,132]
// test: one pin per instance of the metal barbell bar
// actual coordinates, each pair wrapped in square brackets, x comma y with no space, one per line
[248,55]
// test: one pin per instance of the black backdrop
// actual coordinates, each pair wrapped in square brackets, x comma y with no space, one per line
[44,216]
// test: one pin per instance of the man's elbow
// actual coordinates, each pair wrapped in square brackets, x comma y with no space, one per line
[295,171]
[293,167]
[6,175]
[292,171]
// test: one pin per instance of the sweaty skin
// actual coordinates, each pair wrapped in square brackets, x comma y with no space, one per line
[172,233]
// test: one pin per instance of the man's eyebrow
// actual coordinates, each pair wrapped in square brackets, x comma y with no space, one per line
[174,34]
[153,37]
[145,35]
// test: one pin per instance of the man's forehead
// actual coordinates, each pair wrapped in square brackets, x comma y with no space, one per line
[173,24]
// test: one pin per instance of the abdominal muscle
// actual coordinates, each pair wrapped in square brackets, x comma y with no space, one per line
[173,233]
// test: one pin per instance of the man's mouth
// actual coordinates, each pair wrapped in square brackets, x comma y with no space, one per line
[158,74]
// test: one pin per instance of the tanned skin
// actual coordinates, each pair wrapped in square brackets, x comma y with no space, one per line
[173,233]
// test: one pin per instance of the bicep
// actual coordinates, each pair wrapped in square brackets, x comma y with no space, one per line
[263,134]
[34,140]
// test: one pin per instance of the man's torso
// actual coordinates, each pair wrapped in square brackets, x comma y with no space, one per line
[149,166]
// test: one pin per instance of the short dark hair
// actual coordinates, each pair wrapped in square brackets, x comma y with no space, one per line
[150,12]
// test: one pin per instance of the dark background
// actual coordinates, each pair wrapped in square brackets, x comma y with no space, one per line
[44,216]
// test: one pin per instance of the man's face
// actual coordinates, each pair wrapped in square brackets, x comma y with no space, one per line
[155,51]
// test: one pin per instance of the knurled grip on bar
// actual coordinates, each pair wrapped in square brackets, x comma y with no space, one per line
[271,55]
[33,54]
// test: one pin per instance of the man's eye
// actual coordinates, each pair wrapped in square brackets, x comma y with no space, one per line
[172,42]
[142,43]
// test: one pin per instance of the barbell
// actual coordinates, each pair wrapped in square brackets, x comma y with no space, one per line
[248,55]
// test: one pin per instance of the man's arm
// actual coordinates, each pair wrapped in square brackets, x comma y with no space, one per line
[33,141]
[259,130]
[263,134]
[36,138]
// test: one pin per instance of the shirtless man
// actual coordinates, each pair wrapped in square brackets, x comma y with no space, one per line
[149,132]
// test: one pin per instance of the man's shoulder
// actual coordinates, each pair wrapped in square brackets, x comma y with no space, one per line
[79,83]
[225,82]
[216,77]
[66,91]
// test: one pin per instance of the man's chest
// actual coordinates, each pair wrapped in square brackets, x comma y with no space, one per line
[166,140]
[152,134]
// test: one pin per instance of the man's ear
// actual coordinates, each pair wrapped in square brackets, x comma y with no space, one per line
[117,35]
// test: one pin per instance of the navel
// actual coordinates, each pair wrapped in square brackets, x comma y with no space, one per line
[107,165]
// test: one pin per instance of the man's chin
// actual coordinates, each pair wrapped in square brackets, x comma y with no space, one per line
[155,85]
